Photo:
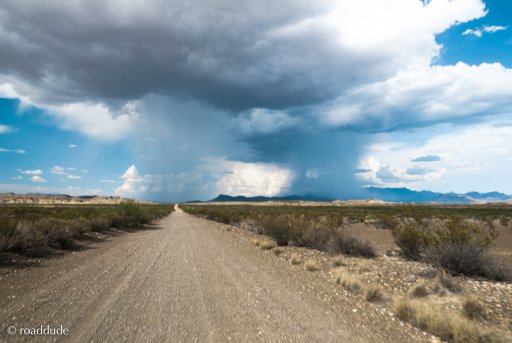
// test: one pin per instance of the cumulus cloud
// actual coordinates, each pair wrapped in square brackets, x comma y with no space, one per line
[251,179]
[162,186]
[72,146]
[132,182]
[74,177]
[37,178]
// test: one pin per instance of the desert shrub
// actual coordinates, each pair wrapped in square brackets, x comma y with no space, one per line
[385,222]
[419,291]
[448,282]
[469,259]
[473,308]
[504,221]
[374,294]
[7,233]
[346,244]
[460,231]
[411,237]
[276,227]
[278,251]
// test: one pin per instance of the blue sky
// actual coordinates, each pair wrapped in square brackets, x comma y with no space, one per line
[162,101]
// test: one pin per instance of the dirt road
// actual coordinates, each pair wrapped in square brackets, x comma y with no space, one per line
[182,281]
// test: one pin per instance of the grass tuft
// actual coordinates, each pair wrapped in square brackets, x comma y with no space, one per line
[267,244]
[374,294]
[295,259]
[448,327]
[349,282]
[311,266]
[338,261]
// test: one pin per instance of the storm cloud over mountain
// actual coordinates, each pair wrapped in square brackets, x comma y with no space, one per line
[247,98]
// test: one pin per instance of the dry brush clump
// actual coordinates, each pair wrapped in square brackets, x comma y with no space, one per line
[311,265]
[449,283]
[267,244]
[349,282]
[295,259]
[447,326]
[338,261]
[458,245]
[473,308]
[419,291]
[374,294]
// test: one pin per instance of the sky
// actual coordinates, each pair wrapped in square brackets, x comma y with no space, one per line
[183,100]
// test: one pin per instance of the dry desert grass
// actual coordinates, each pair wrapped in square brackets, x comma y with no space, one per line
[311,266]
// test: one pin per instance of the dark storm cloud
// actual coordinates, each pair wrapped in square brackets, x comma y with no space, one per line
[231,54]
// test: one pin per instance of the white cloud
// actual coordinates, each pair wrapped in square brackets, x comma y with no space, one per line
[19,177]
[424,94]
[473,32]
[494,28]
[37,178]
[70,168]
[32,172]
[108,181]
[250,179]
[485,29]
[16,151]
[95,119]
[72,146]
[132,182]
[474,156]
[74,177]
[57,170]
[6,129]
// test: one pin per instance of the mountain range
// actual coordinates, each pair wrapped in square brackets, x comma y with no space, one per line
[387,194]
